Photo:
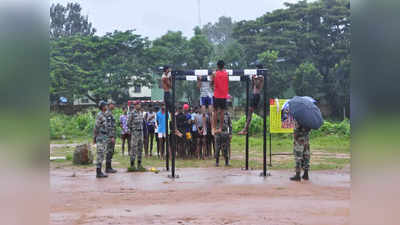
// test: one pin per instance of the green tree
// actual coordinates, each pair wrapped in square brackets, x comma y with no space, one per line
[98,67]
[308,81]
[68,21]
[316,32]
[277,80]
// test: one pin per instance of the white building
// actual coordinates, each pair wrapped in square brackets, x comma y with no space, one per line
[140,92]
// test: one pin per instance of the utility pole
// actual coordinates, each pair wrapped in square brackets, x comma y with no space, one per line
[199,12]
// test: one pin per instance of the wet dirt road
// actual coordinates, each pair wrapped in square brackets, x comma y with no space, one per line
[199,196]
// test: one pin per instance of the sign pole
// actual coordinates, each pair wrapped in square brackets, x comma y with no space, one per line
[265,125]
[247,117]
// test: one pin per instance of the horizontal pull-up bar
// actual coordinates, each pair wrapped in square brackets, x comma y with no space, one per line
[247,72]
[204,78]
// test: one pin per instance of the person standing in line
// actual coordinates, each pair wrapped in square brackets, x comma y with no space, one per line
[180,131]
[160,120]
[151,123]
[111,127]
[135,125]
[100,138]
[194,132]
[156,109]
[201,135]
[222,140]
[145,133]
[125,135]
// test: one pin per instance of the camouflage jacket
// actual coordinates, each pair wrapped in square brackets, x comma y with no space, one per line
[100,128]
[300,131]
[135,122]
[111,128]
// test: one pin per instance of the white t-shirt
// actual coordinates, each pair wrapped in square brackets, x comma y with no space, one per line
[149,115]
[205,89]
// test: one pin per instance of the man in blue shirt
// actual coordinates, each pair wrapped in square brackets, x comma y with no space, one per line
[160,120]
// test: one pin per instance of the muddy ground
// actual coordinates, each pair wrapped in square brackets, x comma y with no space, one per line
[199,196]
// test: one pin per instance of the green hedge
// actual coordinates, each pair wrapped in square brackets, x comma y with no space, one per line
[328,128]
[81,125]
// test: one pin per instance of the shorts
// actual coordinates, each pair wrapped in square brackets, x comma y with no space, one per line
[125,136]
[220,103]
[254,100]
[161,135]
[195,134]
[206,101]
[151,127]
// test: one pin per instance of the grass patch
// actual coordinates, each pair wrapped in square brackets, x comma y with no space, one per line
[280,143]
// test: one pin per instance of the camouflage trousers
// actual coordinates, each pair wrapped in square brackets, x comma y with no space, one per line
[136,146]
[100,152]
[222,144]
[301,149]
[110,151]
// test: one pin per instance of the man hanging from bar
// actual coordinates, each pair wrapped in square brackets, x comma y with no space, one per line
[206,99]
[167,85]
[257,85]
[220,81]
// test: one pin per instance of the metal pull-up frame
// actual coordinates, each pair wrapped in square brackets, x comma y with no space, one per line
[234,75]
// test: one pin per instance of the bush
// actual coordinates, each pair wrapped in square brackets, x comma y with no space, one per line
[256,125]
[334,128]
[81,125]
[328,128]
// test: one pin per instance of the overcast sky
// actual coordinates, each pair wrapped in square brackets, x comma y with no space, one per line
[153,18]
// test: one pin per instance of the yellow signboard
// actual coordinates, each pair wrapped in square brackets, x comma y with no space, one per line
[276,124]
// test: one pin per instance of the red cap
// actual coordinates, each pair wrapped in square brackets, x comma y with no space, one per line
[185,106]
[136,102]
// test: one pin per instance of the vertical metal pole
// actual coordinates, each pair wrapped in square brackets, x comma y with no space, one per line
[270,148]
[174,127]
[166,136]
[265,125]
[247,117]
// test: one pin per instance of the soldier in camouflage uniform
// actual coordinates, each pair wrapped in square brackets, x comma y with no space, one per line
[301,150]
[111,134]
[135,125]
[222,139]
[100,138]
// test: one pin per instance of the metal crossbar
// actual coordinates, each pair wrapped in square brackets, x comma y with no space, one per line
[234,75]
[247,72]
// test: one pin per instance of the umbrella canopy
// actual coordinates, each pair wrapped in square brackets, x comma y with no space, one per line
[305,112]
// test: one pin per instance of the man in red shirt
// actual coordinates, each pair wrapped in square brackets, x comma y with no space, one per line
[220,82]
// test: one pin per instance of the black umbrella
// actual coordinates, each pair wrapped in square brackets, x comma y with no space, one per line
[305,112]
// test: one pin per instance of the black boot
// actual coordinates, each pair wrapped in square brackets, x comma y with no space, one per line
[100,174]
[217,162]
[226,161]
[140,167]
[296,177]
[305,175]
[109,169]
[132,163]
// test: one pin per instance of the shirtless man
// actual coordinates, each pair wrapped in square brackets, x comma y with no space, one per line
[257,84]
[167,85]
